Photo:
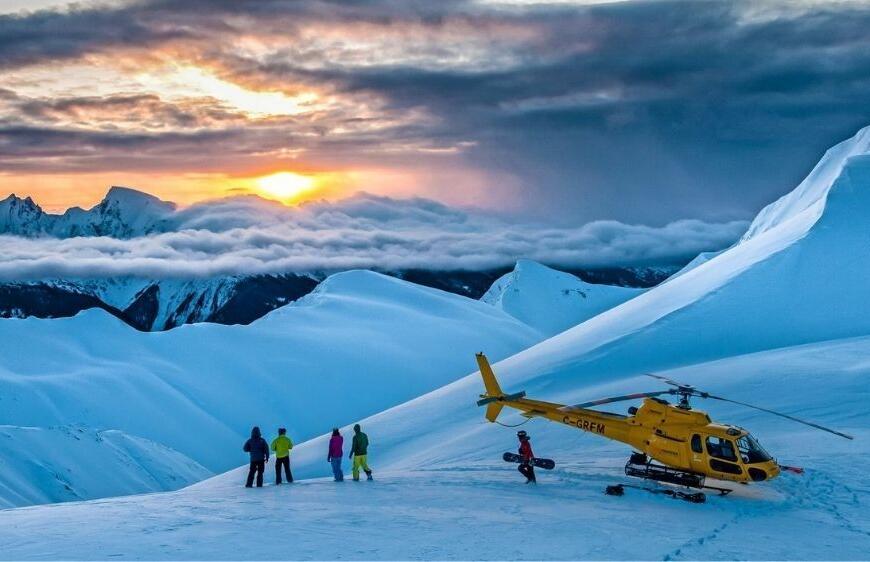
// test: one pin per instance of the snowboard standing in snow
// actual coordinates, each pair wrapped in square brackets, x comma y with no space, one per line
[546,464]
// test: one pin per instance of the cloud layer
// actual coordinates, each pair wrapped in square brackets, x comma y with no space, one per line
[248,235]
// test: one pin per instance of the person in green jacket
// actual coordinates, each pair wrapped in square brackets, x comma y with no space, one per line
[282,445]
[359,453]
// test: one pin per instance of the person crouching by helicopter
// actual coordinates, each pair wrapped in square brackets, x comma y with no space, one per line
[526,467]
[258,449]
[335,453]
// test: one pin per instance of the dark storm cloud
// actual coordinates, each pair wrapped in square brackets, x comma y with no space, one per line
[43,36]
[688,106]
[79,150]
[637,111]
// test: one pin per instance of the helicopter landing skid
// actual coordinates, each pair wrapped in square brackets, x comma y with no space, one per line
[658,473]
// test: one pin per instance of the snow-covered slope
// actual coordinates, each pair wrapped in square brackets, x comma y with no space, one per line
[441,491]
[799,267]
[46,465]
[361,342]
[798,280]
[552,301]
[807,201]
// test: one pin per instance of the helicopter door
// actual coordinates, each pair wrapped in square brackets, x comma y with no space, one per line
[696,455]
[723,456]
[697,449]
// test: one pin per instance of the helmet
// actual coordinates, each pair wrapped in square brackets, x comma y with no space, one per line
[522,434]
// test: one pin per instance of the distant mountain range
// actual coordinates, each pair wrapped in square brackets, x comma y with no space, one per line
[161,304]
[123,213]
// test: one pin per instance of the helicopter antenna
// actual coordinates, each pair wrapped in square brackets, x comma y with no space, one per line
[792,418]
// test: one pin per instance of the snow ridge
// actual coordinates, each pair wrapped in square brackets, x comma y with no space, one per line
[552,301]
[810,195]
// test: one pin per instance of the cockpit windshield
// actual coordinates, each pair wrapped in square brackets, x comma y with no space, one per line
[751,451]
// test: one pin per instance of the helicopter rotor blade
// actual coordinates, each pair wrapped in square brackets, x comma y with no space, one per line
[792,418]
[669,381]
[618,399]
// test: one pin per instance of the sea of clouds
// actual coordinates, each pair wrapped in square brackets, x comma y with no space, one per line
[249,235]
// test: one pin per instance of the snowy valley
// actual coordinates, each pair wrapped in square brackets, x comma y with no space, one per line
[360,334]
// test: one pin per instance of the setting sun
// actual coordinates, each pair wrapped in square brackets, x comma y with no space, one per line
[286,186]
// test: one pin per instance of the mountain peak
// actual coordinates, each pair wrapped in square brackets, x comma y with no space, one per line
[123,213]
[14,199]
[550,300]
[530,266]
[129,197]
[19,215]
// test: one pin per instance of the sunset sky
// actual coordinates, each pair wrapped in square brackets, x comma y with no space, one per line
[634,111]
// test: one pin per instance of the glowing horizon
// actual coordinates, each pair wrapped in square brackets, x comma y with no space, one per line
[198,102]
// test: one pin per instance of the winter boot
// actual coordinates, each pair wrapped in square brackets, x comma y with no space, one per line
[369,475]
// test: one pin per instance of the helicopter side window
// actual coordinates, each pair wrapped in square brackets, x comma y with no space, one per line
[751,451]
[721,449]
[727,467]
[696,444]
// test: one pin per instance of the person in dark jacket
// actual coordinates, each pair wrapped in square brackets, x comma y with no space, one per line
[335,453]
[526,467]
[257,447]
[359,450]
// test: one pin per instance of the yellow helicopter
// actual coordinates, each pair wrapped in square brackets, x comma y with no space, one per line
[688,445]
